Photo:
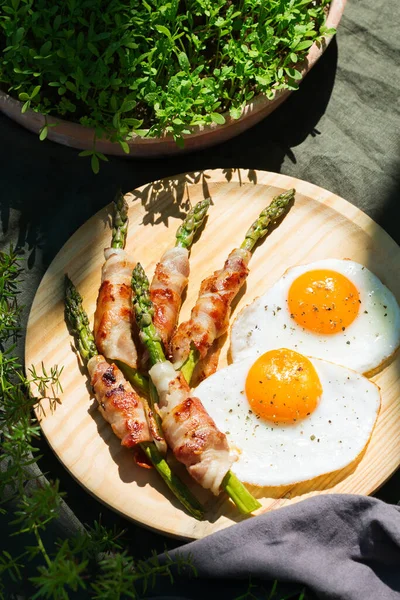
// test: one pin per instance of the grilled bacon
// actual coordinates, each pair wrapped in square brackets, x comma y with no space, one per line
[189,431]
[210,315]
[169,282]
[114,319]
[118,402]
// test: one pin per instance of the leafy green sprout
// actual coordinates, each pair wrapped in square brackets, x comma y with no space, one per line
[152,68]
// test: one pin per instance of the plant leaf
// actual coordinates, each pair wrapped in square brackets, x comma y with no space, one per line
[183,61]
[95,164]
[293,74]
[127,106]
[20,34]
[303,45]
[217,118]
[35,92]
[164,30]
[235,112]
[124,146]
[93,49]
[43,133]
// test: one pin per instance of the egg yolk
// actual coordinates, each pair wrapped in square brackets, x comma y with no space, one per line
[283,386]
[323,301]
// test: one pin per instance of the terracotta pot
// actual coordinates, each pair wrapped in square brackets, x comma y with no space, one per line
[77,136]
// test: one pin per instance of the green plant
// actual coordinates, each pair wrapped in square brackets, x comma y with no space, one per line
[153,67]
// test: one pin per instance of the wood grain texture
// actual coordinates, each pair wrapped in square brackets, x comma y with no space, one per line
[319,225]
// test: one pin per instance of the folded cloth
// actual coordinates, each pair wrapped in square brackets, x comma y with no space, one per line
[342,547]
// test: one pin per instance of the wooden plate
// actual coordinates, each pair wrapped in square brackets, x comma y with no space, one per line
[319,225]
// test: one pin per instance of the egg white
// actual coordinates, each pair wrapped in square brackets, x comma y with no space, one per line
[367,343]
[271,454]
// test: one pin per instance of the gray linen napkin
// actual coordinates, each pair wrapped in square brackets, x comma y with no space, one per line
[343,547]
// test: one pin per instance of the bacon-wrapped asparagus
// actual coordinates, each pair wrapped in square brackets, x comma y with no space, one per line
[172,274]
[166,290]
[118,402]
[113,318]
[190,432]
[210,316]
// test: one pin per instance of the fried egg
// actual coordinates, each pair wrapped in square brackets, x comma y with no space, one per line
[290,418]
[332,309]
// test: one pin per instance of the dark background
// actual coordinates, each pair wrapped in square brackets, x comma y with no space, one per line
[340,131]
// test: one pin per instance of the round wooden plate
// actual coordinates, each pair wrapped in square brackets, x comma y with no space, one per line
[319,225]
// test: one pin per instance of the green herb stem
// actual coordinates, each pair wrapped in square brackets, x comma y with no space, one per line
[39,542]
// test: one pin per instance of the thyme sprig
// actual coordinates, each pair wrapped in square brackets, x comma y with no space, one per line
[10,312]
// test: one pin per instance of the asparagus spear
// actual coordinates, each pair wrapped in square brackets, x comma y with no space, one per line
[138,380]
[144,317]
[79,323]
[118,240]
[184,239]
[256,232]
[193,221]
[120,221]
[268,216]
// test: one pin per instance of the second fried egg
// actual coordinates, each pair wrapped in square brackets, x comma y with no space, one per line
[290,418]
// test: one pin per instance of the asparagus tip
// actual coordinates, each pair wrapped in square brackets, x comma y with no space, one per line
[269,216]
[119,221]
[192,222]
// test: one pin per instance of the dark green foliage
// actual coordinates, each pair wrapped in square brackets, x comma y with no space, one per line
[152,67]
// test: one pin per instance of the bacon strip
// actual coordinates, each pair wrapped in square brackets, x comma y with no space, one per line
[207,365]
[169,282]
[210,315]
[114,319]
[189,431]
[118,402]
